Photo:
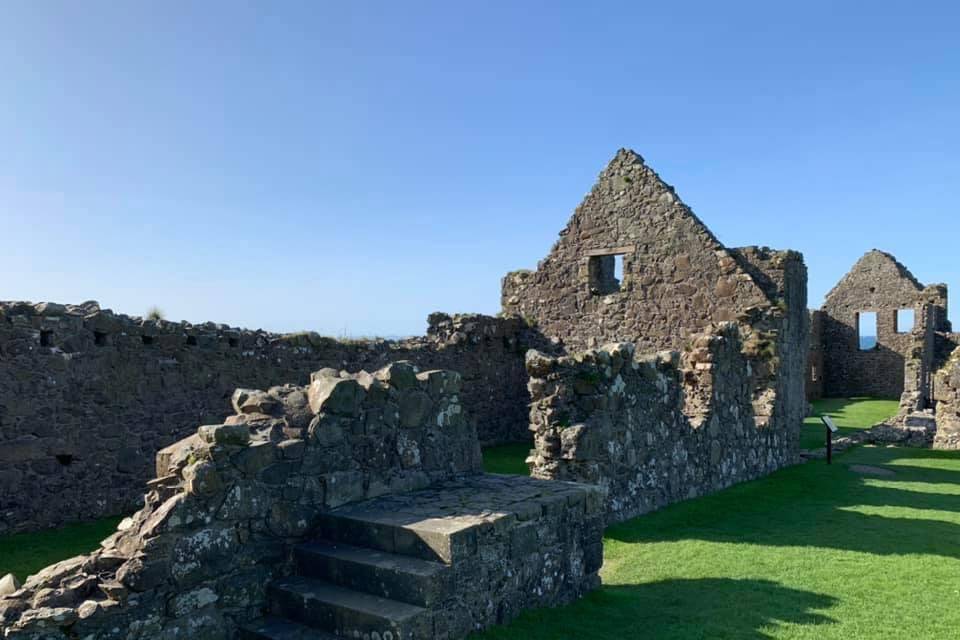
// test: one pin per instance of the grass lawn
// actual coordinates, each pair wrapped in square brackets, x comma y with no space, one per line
[25,553]
[850,414]
[812,551]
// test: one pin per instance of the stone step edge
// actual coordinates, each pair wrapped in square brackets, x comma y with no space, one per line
[349,599]
[373,558]
[277,628]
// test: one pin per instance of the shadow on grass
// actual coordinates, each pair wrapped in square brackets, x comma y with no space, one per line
[823,506]
[675,609]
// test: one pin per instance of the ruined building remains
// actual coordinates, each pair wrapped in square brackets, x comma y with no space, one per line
[87,396]
[882,333]
[353,506]
[724,404]
[649,362]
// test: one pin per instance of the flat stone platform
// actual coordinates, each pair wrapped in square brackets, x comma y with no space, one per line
[440,562]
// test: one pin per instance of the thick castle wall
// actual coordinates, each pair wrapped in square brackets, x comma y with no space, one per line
[87,397]
[653,430]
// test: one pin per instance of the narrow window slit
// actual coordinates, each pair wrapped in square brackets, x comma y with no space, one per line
[46,338]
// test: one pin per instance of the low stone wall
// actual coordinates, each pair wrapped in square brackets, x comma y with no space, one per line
[228,502]
[652,430]
[87,397]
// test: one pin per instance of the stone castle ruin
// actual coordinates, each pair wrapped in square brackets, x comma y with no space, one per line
[882,333]
[648,362]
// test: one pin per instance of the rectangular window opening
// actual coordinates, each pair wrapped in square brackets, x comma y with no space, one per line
[905,320]
[100,338]
[813,374]
[192,341]
[148,340]
[867,330]
[606,273]
[46,338]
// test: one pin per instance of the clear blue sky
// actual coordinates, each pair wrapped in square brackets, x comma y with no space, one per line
[350,167]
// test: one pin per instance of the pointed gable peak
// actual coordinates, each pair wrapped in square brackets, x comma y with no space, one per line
[878,257]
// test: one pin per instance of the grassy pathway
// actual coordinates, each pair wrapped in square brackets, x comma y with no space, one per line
[850,414]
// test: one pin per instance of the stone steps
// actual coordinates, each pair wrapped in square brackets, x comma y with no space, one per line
[434,539]
[439,562]
[273,628]
[924,420]
[403,578]
[345,612]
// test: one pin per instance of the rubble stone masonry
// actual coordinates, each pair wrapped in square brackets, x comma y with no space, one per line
[87,397]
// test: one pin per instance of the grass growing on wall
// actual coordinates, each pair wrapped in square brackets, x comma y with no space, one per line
[23,554]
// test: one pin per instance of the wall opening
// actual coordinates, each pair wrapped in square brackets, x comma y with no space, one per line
[905,320]
[65,459]
[100,338]
[148,340]
[192,341]
[233,342]
[46,338]
[867,330]
[606,273]
[813,374]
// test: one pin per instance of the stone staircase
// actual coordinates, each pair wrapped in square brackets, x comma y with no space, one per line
[408,567]
[922,419]
[344,590]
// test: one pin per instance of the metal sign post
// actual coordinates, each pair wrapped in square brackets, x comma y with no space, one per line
[831,429]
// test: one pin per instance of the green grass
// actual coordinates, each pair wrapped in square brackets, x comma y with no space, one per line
[507,458]
[23,554]
[812,551]
[849,414]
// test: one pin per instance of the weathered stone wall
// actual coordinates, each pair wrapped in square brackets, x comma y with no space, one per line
[87,397]
[677,278]
[815,358]
[652,430]
[947,396]
[229,502]
[880,284]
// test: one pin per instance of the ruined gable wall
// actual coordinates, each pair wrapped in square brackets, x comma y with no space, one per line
[877,283]
[677,277]
[653,430]
[85,402]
